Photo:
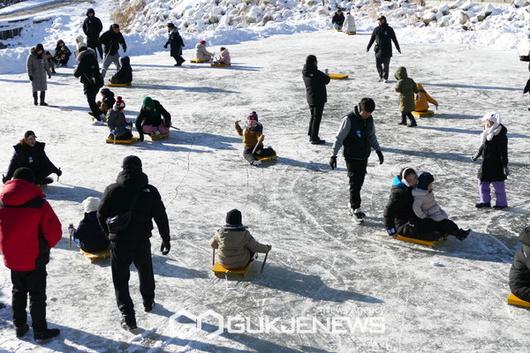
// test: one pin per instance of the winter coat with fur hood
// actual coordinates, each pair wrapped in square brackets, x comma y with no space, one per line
[425,206]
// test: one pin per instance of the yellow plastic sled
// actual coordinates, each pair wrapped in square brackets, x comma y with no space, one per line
[513,300]
[158,137]
[109,84]
[100,255]
[425,114]
[220,270]
[336,76]
[267,158]
[197,61]
[219,65]
[122,142]
[428,243]
[351,33]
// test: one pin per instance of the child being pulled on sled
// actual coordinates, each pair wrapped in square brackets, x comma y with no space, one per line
[89,235]
[119,128]
[253,140]
[234,244]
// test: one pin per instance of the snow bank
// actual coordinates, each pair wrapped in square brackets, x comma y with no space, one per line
[224,22]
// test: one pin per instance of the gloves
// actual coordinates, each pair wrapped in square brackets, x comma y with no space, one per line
[4,179]
[49,75]
[391,231]
[506,171]
[31,78]
[399,51]
[270,247]
[474,158]
[165,46]
[124,48]
[59,172]
[165,247]
[333,162]
[380,156]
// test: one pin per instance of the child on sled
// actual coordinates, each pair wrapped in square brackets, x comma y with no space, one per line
[119,128]
[253,140]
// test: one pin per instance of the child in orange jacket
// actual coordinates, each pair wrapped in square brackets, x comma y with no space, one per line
[253,140]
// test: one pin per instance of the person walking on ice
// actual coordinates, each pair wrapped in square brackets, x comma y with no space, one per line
[383,35]
[494,168]
[111,41]
[357,135]
[176,43]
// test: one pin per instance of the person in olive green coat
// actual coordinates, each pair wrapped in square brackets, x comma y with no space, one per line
[406,88]
[235,246]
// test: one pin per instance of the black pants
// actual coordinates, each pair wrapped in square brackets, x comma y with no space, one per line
[91,94]
[314,123]
[264,152]
[34,284]
[179,59]
[428,229]
[122,255]
[383,67]
[405,115]
[96,45]
[356,174]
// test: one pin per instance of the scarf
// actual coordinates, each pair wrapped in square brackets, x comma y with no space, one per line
[494,130]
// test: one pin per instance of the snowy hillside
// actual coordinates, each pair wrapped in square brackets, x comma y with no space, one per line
[225,22]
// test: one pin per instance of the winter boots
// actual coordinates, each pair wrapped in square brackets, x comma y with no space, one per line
[42,98]
[483,205]
[462,234]
[46,334]
[35,99]
[128,323]
[22,330]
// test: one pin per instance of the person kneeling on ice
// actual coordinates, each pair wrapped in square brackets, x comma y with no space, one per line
[29,228]
[494,169]
[201,53]
[30,153]
[117,122]
[149,121]
[422,99]
[253,140]
[426,208]
[349,24]
[234,244]
[223,57]
[107,100]
[125,74]
[357,135]
[89,233]
[406,88]
[520,270]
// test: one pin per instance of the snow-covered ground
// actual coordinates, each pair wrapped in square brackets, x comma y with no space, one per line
[321,266]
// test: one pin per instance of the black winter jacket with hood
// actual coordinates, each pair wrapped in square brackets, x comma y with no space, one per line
[124,75]
[520,270]
[111,42]
[315,84]
[92,27]
[34,158]
[383,36]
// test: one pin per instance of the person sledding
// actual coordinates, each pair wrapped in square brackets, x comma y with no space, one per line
[202,54]
[153,119]
[253,140]
[89,235]
[520,270]
[223,57]
[120,129]
[429,211]
[30,153]
[124,76]
[235,245]
[422,100]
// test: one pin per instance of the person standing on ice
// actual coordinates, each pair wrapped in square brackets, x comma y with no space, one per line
[316,94]
[383,35]
[29,228]
[349,24]
[38,70]
[494,168]
[29,153]
[87,71]
[357,135]
[176,43]
[133,203]
[92,27]
[111,41]
[520,270]
[406,87]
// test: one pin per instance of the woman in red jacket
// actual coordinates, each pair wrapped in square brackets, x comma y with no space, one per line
[29,228]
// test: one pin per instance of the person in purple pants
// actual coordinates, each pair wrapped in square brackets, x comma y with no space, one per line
[494,168]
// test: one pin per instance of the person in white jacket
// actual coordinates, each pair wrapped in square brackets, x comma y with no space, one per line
[426,208]
[349,24]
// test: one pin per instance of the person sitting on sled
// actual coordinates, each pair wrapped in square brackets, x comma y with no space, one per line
[201,53]
[234,244]
[422,99]
[89,235]
[253,140]
[119,128]
[153,119]
[223,57]
[125,75]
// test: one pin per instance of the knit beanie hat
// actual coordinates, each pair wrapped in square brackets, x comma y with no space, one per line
[120,104]
[148,104]
[24,173]
[424,180]
[132,163]
[91,204]
[29,133]
[233,218]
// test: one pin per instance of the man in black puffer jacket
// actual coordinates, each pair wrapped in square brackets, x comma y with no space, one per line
[132,192]
[520,270]
[87,71]
[383,35]
[111,41]
[92,27]
[357,135]
[30,153]
[315,84]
